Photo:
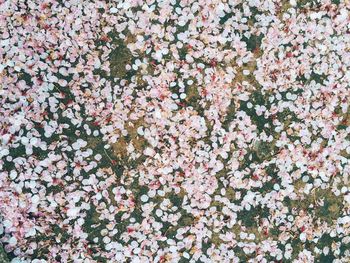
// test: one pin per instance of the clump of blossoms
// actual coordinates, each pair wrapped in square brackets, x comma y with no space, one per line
[175,131]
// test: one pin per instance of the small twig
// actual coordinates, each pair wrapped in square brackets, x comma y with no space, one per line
[108,155]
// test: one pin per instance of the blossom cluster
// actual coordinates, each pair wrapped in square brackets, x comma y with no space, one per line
[175,131]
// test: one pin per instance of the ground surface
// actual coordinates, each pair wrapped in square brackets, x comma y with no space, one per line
[175,131]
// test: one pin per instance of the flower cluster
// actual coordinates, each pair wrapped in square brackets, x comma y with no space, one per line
[175,131]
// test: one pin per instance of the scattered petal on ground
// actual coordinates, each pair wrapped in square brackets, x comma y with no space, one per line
[175,131]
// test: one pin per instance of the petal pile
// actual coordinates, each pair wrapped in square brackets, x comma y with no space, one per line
[175,131]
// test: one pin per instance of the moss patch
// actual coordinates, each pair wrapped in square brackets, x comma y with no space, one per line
[119,58]
[3,256]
